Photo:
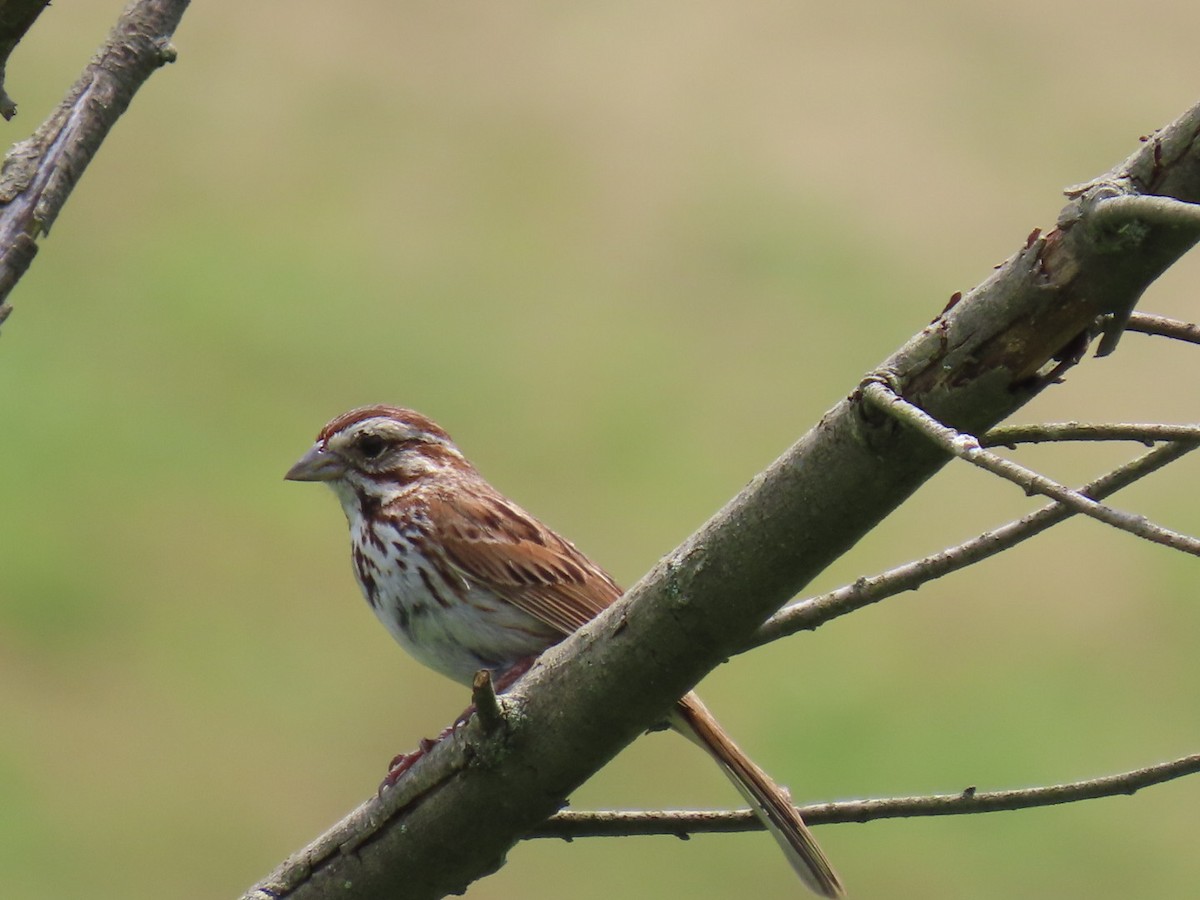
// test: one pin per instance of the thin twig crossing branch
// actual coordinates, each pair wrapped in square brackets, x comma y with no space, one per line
[967,447]
[809,613]
[571,824]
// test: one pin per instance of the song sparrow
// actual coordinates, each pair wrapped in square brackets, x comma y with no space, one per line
[464,579]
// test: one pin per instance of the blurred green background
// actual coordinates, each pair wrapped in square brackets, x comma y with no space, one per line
[626,254]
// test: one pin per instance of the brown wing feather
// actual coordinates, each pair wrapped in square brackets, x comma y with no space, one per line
[495,543]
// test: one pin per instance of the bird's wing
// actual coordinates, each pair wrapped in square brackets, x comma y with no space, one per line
[496,545]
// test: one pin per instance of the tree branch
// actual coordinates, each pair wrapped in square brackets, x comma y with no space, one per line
[1130,209]
[1144,433]
[967,447]
[40,171]
[1164,327]
[458,811]
[808,614]
[16,18]
[570,825]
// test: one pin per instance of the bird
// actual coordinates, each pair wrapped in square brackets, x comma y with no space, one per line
[466,580]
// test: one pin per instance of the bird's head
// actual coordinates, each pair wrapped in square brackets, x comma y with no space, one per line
[370,455]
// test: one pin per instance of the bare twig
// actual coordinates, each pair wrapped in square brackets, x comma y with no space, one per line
[1163,326]
[1120,217]
[814,611]
[1149,434]
[486,703]
[1119,211]
[967,447]
[571,824]
[39,172]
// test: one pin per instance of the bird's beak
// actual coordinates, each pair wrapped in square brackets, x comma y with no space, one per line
[316,465]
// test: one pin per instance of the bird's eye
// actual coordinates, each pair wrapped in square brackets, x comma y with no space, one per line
[371,446]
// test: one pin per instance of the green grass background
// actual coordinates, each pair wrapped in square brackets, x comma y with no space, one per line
[626,254]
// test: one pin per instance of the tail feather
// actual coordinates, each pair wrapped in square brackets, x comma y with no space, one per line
[768,801]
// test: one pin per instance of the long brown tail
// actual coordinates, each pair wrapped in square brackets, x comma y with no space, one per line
[769,802]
